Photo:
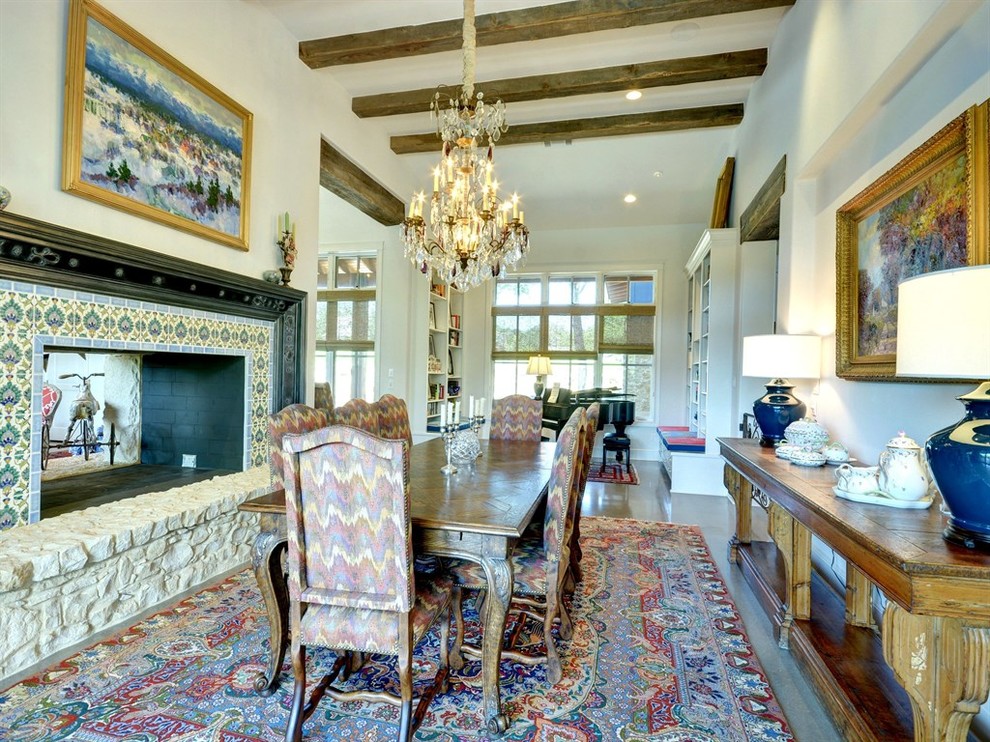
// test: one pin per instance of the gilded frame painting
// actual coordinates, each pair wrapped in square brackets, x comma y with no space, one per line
[145,134]
[930,212]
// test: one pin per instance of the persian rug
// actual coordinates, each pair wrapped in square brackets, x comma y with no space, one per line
[613,474]
[658,652]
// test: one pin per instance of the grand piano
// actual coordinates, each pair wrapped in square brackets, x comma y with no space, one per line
[617,408]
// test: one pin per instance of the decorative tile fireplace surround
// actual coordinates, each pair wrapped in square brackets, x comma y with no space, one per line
[67,577]
[65,288]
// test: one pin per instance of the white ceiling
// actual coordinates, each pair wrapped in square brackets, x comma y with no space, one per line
[577,185]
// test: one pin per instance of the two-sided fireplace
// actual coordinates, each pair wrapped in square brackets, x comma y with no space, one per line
[68,291]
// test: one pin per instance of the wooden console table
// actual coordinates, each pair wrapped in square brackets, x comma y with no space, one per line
[926,671]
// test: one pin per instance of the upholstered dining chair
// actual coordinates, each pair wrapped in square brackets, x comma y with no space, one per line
[590,431]
[350,562]
[393,419]
[323,396]
[291,420]
[516,418]
[357,413]
[540,566]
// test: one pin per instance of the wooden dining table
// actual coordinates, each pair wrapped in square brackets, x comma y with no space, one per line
[477,513]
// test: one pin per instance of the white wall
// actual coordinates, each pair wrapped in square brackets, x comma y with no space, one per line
[238,47]
[850,89]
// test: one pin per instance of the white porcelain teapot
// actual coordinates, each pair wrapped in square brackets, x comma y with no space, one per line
[902,474]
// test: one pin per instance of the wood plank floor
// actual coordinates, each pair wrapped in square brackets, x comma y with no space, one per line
[109,485]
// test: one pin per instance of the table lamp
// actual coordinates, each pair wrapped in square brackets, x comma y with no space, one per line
[942,332]
[540,367]
[780,357]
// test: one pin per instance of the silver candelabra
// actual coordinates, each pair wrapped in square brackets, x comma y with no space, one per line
[447,431]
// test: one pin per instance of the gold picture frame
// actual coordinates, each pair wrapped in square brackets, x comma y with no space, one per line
[145,134]
[887,233]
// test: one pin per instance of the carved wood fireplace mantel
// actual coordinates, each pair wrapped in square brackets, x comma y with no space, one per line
[61,287]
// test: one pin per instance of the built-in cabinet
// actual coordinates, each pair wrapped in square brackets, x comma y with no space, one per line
[730,295]
[444,349]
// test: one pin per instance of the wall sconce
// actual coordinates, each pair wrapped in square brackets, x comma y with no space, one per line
[780,357]
[942,333]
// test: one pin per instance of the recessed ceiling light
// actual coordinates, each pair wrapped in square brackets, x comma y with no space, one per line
[633,95]
[630,198]
[657,173]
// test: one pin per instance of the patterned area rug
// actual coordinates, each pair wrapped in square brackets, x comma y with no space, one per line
[613,473]
[658,653]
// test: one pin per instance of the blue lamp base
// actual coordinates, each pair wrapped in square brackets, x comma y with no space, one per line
[775,410]
[959,457]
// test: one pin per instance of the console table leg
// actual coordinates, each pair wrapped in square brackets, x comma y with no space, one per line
[741,491]
[944,665]
[859,598]
[793,542]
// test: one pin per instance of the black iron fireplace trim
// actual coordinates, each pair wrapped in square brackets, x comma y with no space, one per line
[38,252]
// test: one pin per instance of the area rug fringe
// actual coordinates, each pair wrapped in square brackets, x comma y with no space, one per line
[658,652]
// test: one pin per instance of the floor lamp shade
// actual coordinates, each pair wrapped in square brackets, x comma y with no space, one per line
[539,366]
[942,332]
[780,357]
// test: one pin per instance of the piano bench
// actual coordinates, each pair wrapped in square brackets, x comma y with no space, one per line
[618,443]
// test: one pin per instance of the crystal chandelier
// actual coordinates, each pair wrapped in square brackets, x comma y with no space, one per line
[473,233]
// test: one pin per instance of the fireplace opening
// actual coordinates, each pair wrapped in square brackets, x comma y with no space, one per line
[149,421]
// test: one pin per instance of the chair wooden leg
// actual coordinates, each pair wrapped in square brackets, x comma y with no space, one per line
[566,627]
[293,730]
[554,670]
[405,681]
[443,668]
[479,603]
[457,656]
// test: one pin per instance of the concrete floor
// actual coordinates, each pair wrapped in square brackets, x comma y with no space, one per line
[651,500]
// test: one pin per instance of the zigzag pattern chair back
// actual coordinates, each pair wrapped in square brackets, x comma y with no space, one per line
[358,414]
[350,538]
[593,412]
[562,488]
[393,419]
[516,418]
[323,397]
[291,420]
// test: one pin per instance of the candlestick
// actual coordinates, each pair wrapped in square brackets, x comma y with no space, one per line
[447,431]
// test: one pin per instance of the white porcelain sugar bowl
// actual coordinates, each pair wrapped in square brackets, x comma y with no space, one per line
[902,472]
[835,452]
[806,432]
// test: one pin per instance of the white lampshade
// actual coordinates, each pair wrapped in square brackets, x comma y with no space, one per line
[782,356]
[539,366]
[943,324]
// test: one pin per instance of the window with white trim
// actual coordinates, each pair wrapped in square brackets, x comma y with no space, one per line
[345,325]
[597,328]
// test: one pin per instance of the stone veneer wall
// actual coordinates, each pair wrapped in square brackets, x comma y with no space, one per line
[35,316]
[66,578]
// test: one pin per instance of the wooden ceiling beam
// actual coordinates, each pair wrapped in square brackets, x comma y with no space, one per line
[525,24]
[606,126]
[342,177]
[725,66]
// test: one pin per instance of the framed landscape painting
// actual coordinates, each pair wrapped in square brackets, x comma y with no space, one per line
[930,212]
[145,134]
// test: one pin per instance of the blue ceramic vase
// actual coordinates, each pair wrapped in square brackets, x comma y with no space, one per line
[959,457]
